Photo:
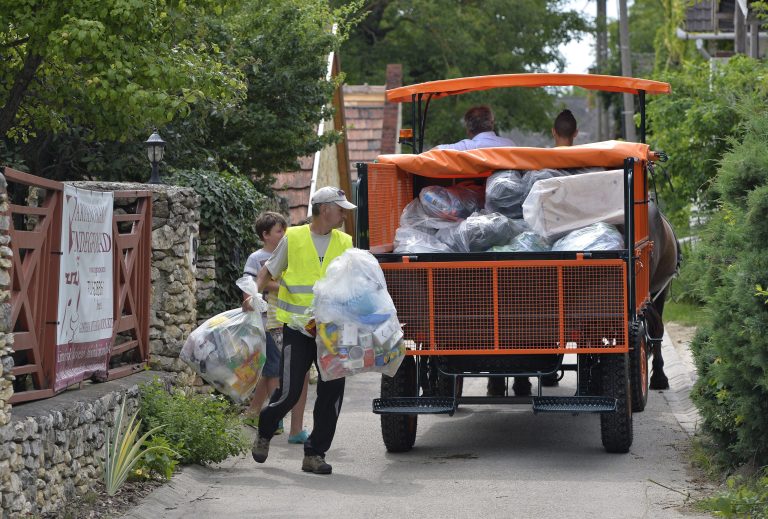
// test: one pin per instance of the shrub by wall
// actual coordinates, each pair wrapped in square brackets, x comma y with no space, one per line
[732,353]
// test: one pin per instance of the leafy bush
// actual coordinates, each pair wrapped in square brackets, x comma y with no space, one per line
[204,428]
[732,353]
[743,498]
[160,462]
[229,206]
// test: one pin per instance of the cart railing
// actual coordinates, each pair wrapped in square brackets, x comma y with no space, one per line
[512,307]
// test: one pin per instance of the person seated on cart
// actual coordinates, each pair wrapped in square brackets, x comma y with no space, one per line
[564,130]
[479,123]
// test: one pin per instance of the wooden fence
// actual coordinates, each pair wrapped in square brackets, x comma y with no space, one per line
[35,214]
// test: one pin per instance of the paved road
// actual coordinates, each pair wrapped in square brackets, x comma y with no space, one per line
[486,461]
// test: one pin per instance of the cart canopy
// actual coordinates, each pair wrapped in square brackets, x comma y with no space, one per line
[482,162]
[449,87]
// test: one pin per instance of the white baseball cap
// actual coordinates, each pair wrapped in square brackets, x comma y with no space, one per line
[328,194]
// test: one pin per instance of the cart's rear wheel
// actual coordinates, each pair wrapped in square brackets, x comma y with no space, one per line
[638,357]
[399,430]
[616,427]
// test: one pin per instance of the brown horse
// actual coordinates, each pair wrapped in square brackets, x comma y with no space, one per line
[665,262]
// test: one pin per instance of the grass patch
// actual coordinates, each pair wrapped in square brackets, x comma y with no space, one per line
[685,313]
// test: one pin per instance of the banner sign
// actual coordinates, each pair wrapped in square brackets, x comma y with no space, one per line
[85,312]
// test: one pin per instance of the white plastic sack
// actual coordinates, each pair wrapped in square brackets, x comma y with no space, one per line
[357,326]
[412,240]
[229,349]
[556,206]
[598,236]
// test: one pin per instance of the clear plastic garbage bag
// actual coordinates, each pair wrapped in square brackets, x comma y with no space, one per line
[453,202]
[598,236]
[527,241]
[412,240]
[479,232]
[229,350]
[415,217]
[357,326]
[505,191]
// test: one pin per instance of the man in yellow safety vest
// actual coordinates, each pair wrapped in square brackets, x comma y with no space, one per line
[300,259]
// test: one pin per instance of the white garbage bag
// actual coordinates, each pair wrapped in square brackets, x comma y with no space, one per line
[356,320]
[229,350]
[556,206]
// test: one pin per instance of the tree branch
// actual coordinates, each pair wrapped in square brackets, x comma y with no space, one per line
[16,43]
[20,85]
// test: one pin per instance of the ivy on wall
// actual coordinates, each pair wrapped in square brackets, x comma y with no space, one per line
[229,205]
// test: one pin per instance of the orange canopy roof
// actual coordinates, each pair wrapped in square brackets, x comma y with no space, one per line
[448,87]
[482,162]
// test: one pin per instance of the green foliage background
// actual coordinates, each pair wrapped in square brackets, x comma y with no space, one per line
[442,39]
[695,123]
[732,352]
[229,205]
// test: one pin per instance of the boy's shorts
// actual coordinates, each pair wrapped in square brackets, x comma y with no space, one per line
[272,365]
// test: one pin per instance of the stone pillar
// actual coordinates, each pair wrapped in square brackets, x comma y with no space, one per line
[6,338]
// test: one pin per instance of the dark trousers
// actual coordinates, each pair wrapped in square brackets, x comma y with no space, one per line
[299,352]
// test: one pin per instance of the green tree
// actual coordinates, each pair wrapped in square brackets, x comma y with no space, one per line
[441,39]
[113,67]
[694,124]
[275,50]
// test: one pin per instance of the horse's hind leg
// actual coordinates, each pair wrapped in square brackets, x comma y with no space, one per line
[656,332]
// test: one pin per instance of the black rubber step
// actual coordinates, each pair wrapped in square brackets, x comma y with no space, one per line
[415,405]
[573,404]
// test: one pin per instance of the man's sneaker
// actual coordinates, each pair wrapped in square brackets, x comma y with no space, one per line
[280,428]
[522,386]
[315,464]
[260,449]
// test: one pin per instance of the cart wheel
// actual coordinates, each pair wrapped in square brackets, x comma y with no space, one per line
[616,427]
[399,430]
[589,375]
[638,365]
[445,385]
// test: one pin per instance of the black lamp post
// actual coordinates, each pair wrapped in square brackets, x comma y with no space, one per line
[155,148]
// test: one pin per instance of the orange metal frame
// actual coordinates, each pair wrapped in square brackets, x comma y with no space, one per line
[547,306]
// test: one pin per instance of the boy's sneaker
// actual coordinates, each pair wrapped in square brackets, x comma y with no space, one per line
[300,437]
[280,429]
[315,464]
[260,449]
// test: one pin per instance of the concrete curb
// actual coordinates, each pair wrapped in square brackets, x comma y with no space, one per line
[679,368]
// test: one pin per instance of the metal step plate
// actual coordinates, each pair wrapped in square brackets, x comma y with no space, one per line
[574,404]
[414,405]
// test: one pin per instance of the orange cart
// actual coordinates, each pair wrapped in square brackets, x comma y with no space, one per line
[506,314]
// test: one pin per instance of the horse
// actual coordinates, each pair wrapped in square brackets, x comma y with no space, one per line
[665,263]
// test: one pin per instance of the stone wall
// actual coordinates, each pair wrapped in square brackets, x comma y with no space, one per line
[6,338]
[175,228]
[52,449]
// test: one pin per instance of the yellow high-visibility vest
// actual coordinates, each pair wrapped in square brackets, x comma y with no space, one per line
[304,268]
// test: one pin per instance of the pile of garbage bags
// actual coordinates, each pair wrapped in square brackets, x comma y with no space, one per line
[228,350]
[516,211]
[356,320]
